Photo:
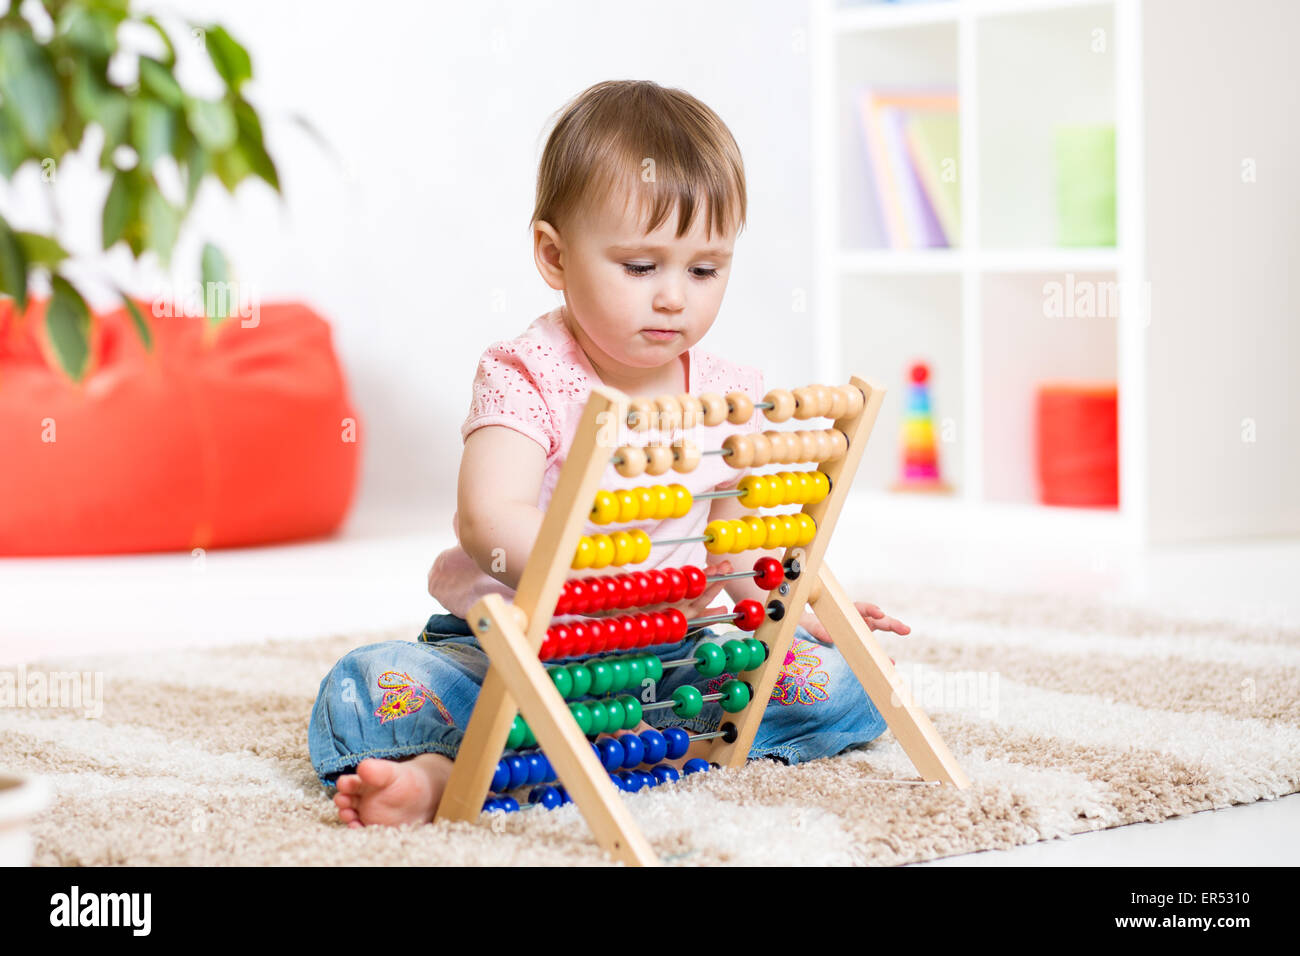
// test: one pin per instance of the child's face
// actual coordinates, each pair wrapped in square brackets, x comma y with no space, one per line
[619,283]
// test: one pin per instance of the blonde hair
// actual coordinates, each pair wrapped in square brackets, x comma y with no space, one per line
[662,146]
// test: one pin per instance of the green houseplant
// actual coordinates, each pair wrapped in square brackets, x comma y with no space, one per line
[55,86]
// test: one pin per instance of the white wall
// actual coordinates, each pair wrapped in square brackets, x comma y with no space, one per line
[414,242]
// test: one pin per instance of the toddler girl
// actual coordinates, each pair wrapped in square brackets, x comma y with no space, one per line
[640,196]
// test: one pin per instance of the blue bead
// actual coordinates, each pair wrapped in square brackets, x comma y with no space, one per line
[633,750]
[549,776]
[695,765]
[490,804]
[617,780]
[631,782]
[610,752]
[548,797]
[678,740]
[656,746]
[536,767]
[501,779]
[508,804]
[518,771]
[564,793]
[646,777]
[665,774]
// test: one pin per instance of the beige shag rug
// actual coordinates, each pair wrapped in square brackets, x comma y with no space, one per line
[1067,715]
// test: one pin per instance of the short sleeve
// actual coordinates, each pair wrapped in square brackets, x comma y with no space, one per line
[506,392]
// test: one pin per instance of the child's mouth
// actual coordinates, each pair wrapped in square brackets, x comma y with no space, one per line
[660,335]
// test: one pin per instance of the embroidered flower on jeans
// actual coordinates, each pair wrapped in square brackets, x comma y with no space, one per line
[404,695]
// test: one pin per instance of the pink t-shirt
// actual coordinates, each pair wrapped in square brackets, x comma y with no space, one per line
[538,384]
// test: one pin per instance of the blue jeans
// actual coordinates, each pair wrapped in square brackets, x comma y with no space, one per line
[400,698]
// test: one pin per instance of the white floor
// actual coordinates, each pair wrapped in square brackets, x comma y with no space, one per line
[371,578]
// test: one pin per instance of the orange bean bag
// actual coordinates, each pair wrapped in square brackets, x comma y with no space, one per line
[245,439]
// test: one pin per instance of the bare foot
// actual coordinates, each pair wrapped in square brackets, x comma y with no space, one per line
[392,792]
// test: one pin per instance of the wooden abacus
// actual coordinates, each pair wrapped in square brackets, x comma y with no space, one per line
[518,637]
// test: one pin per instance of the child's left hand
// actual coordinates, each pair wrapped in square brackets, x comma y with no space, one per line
[873,615]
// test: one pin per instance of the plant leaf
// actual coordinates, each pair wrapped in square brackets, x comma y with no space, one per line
[137,319]
[42,249]
[215,270]
[250,143]
[197,165]
[28,85]
[231,167]
[67,322]
[120,207]
[13,266]
[212,122]
[158,80]
[162,221]
[170,60]
[228,57]
[12,149]
[153,127]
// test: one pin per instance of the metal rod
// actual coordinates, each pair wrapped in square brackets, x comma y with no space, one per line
[661,704]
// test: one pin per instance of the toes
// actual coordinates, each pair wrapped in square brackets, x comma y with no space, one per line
[348,783]
[348,816]
[376,773]
[343,801]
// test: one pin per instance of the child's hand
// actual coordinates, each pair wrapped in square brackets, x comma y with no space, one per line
[873,615]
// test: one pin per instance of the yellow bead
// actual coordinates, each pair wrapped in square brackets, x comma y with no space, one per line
[789,487]
[790,535]
[722,533]
[664,502]
[642,545]
[821,486]
[775,491]
[645,503]
[742,536]
[812,527]
[605,509]
[775,532]
[627,505]
[803,487]
[682,500]
[586,551]
[624,547]
[757,531]
[753,490]
[604,551]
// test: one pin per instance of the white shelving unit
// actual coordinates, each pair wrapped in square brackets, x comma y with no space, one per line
[976,313]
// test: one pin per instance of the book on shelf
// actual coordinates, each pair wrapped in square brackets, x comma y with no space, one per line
[911,139]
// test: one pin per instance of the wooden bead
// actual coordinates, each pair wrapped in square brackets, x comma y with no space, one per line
[641,412]
[742,450]
[659,459]
[762,449]
[824,395]
[691,411]
[805,403]
[856,399]
[807,446]
[715,408]
[633,463]
[780,447]
[839,445]
[824,444]
[782,405]
[839,404]
[740,408]
[686,455]
[670,413]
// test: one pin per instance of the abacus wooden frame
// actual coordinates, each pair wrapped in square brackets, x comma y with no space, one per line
[512,634]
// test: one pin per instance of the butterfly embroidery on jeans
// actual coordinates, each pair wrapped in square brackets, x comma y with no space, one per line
[404,696]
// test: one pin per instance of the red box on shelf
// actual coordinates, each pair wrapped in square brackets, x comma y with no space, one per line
[1077,428]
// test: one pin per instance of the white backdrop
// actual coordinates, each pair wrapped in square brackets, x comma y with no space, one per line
[413,239]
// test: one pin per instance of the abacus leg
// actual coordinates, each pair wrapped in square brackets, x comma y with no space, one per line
[913,729]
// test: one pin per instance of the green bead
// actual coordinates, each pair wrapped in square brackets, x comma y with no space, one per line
[711,661]
[529,739]
[735,696]
[631,711]
[654,667]
[757,653]
[602,676]
[582,715]
[563,681]
[599,716]
[516,738]
[581,675]
[619,667]
[614,714]
[688,702]
[635,670]
[737,655]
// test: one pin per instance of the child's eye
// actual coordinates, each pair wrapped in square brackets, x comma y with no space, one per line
[639,269]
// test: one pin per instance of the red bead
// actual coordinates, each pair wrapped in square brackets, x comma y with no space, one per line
[579,600]
[644,633]
[659,587]
[563,634]
[696,581]
[768,573]
[547,650]
[662,628]
[594,595]
[646,588]
[676,584]
[676,624]
[749,615]
[920,372]
[581,639]
[629,627]
[564,600]
[627,590]
[610,591]
[612,635]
